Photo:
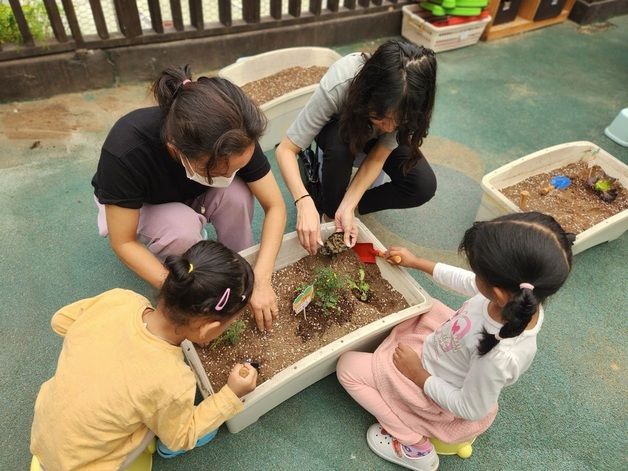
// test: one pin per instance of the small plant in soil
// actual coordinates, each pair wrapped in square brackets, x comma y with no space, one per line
[604,186]
[328,286]
[360,288]
[231,336]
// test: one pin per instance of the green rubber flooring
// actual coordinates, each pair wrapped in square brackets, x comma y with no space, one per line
[496,102]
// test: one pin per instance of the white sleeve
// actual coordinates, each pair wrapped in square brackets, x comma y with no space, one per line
[480,390]
[458,279]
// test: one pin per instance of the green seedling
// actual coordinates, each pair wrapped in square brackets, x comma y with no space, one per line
[360,288]
[602,185]
[231,336]
[328,286]
[605,187]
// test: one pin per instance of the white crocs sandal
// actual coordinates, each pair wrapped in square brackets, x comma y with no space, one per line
[387,447]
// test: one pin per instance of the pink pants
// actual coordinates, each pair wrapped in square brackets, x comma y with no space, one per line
[172,228]
[356,376]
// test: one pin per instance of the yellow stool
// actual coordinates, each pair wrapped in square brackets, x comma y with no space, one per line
[463,450]
[144,462]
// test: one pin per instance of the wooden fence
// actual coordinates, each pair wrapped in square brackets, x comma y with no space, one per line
[131,31]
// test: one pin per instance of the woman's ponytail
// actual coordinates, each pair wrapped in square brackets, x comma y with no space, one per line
[169,84]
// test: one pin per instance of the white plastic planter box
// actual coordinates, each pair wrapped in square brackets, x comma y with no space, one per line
[322,362]
[281,111]
[494,203]
[440,38]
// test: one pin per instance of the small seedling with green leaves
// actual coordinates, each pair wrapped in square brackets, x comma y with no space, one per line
[359,287]
[328,286]
[231,336]
[604,186]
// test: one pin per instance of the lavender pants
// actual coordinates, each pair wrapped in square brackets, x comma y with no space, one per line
[172,228]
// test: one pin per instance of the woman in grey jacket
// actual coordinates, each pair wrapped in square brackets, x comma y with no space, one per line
[378,107]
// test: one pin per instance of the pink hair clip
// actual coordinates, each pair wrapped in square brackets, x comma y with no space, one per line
[526,286]
[185,82]
[498,337]
[223,300]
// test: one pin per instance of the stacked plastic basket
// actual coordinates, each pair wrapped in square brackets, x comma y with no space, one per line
[445,24]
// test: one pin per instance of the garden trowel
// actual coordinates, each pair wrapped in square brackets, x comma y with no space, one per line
[367,253]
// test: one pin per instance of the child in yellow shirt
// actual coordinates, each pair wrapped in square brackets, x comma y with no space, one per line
[121,376]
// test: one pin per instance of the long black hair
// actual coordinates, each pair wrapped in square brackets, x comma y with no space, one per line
[198,281]
[399,78]
[211,117]
[514,249]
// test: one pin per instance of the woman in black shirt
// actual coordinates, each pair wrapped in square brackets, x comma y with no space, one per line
[166,171]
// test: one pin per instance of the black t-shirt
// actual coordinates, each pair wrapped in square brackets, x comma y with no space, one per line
[136,168]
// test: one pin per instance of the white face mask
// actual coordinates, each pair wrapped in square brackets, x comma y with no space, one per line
[217,182]
[221,182]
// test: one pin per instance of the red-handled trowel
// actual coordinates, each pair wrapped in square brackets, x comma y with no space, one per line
[367,253]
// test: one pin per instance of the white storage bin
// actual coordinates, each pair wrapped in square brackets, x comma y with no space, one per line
[322,362]
[494,203]
[283,110]
[443,38]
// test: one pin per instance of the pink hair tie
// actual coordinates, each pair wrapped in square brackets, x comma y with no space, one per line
[223,300]
[185,82]
[526,286]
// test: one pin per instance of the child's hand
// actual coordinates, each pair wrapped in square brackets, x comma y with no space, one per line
[408,363]
[399,256]
[402,256]
[239,383]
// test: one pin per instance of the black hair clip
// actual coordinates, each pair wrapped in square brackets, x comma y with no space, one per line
[571,238]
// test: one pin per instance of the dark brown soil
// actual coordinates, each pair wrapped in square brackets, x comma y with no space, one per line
[273,86]
[577,207]
[293,336]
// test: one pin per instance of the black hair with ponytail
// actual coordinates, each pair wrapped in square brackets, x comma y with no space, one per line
[211,117]
[198,280]
[400,77]
[518,248]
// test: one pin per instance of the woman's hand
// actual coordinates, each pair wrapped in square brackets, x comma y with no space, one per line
[409,364]
[308,225]
[263,299]
[345,222]
[264,305]
[241,383]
